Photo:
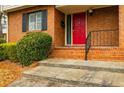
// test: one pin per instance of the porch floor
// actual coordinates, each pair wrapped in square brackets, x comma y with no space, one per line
[68,72]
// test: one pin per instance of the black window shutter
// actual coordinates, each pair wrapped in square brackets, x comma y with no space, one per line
[44,20]
[24,22]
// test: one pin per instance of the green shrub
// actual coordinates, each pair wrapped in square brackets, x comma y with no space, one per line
[8,51]
[3,52]
[33,46]
[2,41]
[11,52]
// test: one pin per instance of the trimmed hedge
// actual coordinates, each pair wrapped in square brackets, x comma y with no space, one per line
[2,41]
[33,46]
[8,51]
[12,52]
[3,52]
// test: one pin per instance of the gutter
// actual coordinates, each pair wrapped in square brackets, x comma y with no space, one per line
[12,8]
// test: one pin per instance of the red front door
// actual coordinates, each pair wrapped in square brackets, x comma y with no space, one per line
[79,33]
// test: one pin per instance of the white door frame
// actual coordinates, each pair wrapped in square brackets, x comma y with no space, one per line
[86,19]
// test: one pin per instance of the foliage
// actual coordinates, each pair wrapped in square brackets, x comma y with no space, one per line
[33,46]
[8,51]
[3,52]
[2,41]
[11,52]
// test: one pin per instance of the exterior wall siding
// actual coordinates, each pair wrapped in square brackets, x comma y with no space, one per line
[104,19]
[110,18]
[121,26]
[15,22]
[106,54]
[99,54]
[103,22]
[71,53]
[59,30]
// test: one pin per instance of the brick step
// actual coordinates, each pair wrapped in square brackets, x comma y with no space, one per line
[88,65]
[75,53]
[95,53]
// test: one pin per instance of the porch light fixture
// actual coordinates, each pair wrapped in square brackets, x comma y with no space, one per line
[90,12]
[62,24]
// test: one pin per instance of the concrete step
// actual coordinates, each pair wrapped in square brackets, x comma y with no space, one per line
[35,81]
[86,65]
[77,77]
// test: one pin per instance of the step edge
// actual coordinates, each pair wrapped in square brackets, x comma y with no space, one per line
[96,68]
[72,82]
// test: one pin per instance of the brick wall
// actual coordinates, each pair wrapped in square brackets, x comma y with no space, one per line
[15,22]
[106,54]
[121,26]
[110,19]
[68,52]
[99,54]
[59,30]
[104,19]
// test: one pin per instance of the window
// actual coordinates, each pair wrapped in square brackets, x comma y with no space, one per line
[34,21]
[4,24]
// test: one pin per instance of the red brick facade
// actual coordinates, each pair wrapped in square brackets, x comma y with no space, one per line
[102,54]
[102,19]
[15,22]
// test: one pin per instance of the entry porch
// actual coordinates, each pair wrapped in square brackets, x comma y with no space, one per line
[90,32]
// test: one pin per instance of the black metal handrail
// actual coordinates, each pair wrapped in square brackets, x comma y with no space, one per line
[104,30]
[104,38]
[87,45]
[101,38]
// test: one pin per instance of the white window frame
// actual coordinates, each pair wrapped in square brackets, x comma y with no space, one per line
[35,21]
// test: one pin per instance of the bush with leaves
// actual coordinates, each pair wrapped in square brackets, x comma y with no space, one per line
[2,40]
[12,52]
[3,52]
[8,51]
[33,46]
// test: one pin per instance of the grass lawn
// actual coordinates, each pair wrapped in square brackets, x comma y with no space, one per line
[11,71]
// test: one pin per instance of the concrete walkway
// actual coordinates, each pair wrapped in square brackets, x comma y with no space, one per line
[77,73]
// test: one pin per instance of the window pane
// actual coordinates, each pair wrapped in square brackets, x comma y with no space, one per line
[32,21]
[38,20]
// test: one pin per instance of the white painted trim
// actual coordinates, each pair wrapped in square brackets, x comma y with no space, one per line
[11,8]
[36,21]
[7,33]
[71,29]
[65,29]
[68,9]
[86,29]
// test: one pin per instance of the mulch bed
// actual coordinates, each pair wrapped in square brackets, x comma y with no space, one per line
[10,71]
